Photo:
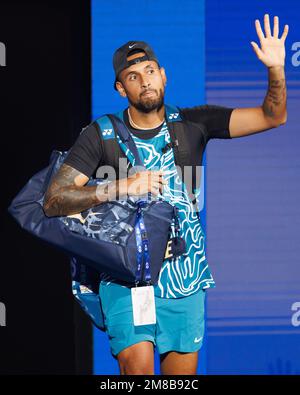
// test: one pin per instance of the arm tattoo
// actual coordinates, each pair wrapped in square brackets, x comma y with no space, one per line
[63,197]
[274,105]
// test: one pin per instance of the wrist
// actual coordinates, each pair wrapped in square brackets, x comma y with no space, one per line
[102,193]
[121,186]
[277,67]
[117,189]
[113,190]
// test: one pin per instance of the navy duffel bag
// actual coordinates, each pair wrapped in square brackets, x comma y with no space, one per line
[104,235]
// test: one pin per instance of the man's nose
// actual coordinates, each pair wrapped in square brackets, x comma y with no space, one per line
[145,82]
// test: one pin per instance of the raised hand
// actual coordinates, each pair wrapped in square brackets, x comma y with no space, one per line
[272,51]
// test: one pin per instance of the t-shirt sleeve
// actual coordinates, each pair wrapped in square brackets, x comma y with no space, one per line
[215,118]
[86,153]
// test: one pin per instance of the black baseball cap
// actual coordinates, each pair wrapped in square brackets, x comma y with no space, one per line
[120,56]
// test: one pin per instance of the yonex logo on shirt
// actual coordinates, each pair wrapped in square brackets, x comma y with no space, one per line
[173,115]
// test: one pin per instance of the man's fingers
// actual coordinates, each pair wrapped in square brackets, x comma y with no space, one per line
[257,50]
[154,191]
[259,30]
[157,176]
[156,188]
[267,25]
[285,32]
[267,28]
[276,27]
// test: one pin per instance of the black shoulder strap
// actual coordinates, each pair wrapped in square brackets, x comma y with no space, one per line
[182,154]
[180,144]
[110,125]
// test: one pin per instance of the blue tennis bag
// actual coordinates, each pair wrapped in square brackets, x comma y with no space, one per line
[105,234]
[102,239]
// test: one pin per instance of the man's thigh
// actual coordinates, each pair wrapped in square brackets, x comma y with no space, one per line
[118,319]
[180,325]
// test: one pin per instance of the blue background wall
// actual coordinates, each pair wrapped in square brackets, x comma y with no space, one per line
[253,196]
[252,183]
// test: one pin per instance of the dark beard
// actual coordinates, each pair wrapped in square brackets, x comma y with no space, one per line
[149,104]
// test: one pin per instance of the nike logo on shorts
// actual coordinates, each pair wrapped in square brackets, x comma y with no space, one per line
[197,340]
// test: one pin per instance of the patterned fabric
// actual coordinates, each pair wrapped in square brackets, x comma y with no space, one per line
[189,272]
[107,221]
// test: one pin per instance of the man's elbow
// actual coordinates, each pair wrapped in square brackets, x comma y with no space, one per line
[48,208]
[284,120]
[276,122]
[48,211]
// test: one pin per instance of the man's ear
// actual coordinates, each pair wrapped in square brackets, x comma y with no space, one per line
[121,89]
[163,75]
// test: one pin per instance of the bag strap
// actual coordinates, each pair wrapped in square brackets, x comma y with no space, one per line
[106,124]
[180,145]
[178,137]
[126,138]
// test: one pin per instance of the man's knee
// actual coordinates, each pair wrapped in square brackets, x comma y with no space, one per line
[137,359]
[175,362]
